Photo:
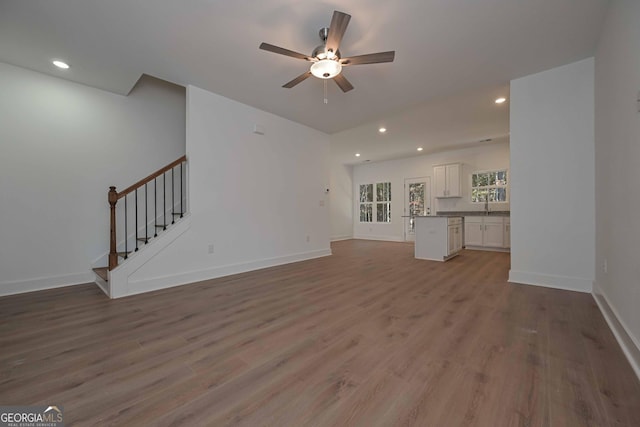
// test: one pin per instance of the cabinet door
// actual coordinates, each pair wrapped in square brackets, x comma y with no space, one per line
[458,238]
[507,234]
[453,180]
[451,237]
[494,235]
[440,175]
[473,233]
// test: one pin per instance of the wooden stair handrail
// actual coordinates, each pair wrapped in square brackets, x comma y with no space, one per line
[114,196]
[154,175]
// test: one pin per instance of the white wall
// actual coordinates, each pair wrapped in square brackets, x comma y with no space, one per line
[61,145]
[255,198]
[341,200]
[485,157]
[552,178]
[617,142]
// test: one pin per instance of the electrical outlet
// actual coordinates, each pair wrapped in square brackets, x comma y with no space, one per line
[211,248]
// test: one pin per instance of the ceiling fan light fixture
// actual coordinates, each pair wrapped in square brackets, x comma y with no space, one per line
[326,68]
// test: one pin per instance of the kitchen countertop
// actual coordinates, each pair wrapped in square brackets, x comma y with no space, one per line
[473,213]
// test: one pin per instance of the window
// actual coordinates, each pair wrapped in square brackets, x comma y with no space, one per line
[491,186]
[381,199]
[366,203]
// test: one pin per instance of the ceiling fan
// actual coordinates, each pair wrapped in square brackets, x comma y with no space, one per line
[327,62]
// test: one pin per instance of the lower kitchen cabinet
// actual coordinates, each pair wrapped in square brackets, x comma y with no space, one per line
[438,238]
[486,232]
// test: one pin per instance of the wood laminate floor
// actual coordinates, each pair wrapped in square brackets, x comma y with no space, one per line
[367,337]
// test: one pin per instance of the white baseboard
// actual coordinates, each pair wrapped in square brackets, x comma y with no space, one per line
[381,238]
[487,248]
[156,283]
[551,281]
[43,283]
[338,238]
[628,342]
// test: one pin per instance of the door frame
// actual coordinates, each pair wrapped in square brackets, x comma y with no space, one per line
[410,237]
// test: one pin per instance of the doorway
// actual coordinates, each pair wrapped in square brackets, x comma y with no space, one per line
[417,202]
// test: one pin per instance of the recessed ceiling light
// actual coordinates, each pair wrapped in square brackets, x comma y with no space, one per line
[500,100]
[357,154]
[382,130]
[60,64]
[420,148]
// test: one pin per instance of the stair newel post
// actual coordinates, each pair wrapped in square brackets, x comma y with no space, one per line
[113,253]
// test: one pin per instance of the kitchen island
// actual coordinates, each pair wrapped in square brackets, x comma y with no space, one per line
[438,238]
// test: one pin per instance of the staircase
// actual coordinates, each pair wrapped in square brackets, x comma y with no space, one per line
[139,216]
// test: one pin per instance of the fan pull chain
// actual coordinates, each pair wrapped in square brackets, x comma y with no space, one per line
[326,101]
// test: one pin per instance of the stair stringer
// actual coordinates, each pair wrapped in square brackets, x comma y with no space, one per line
[119,276]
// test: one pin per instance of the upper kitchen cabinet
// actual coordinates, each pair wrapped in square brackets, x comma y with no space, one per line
[447,180]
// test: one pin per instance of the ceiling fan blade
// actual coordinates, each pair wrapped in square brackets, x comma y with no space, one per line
[343,83]
[283,51]
[371,58]
[297,80]
[338,26]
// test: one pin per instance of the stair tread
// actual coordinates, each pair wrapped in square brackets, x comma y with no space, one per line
[144,239]
[103,272]
[162,225]
[177,213]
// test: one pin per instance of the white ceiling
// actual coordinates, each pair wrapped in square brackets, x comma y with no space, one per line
[458,121]
[443,47]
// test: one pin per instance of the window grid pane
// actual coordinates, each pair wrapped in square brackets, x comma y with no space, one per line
[489,186]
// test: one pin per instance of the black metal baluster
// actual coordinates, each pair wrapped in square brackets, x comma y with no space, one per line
[181,209]
[155,207]
[126,250]
[173,203]
[136,194]
[164,201]
[146,216]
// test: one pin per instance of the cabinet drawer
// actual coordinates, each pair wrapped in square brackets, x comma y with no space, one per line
[493,220]
[454,221]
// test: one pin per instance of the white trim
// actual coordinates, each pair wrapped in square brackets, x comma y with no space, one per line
[103,258]
[162,282]
[119,276]
[566,283]
[487,248]
[382,238]
[102,284]
[627,341]
[43,283]
[344,237]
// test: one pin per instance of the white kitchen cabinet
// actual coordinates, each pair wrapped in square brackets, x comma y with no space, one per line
[473,226]
[438,238]
[455,235]
[447,180]
[493,236]
[507,233]
[486,232]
